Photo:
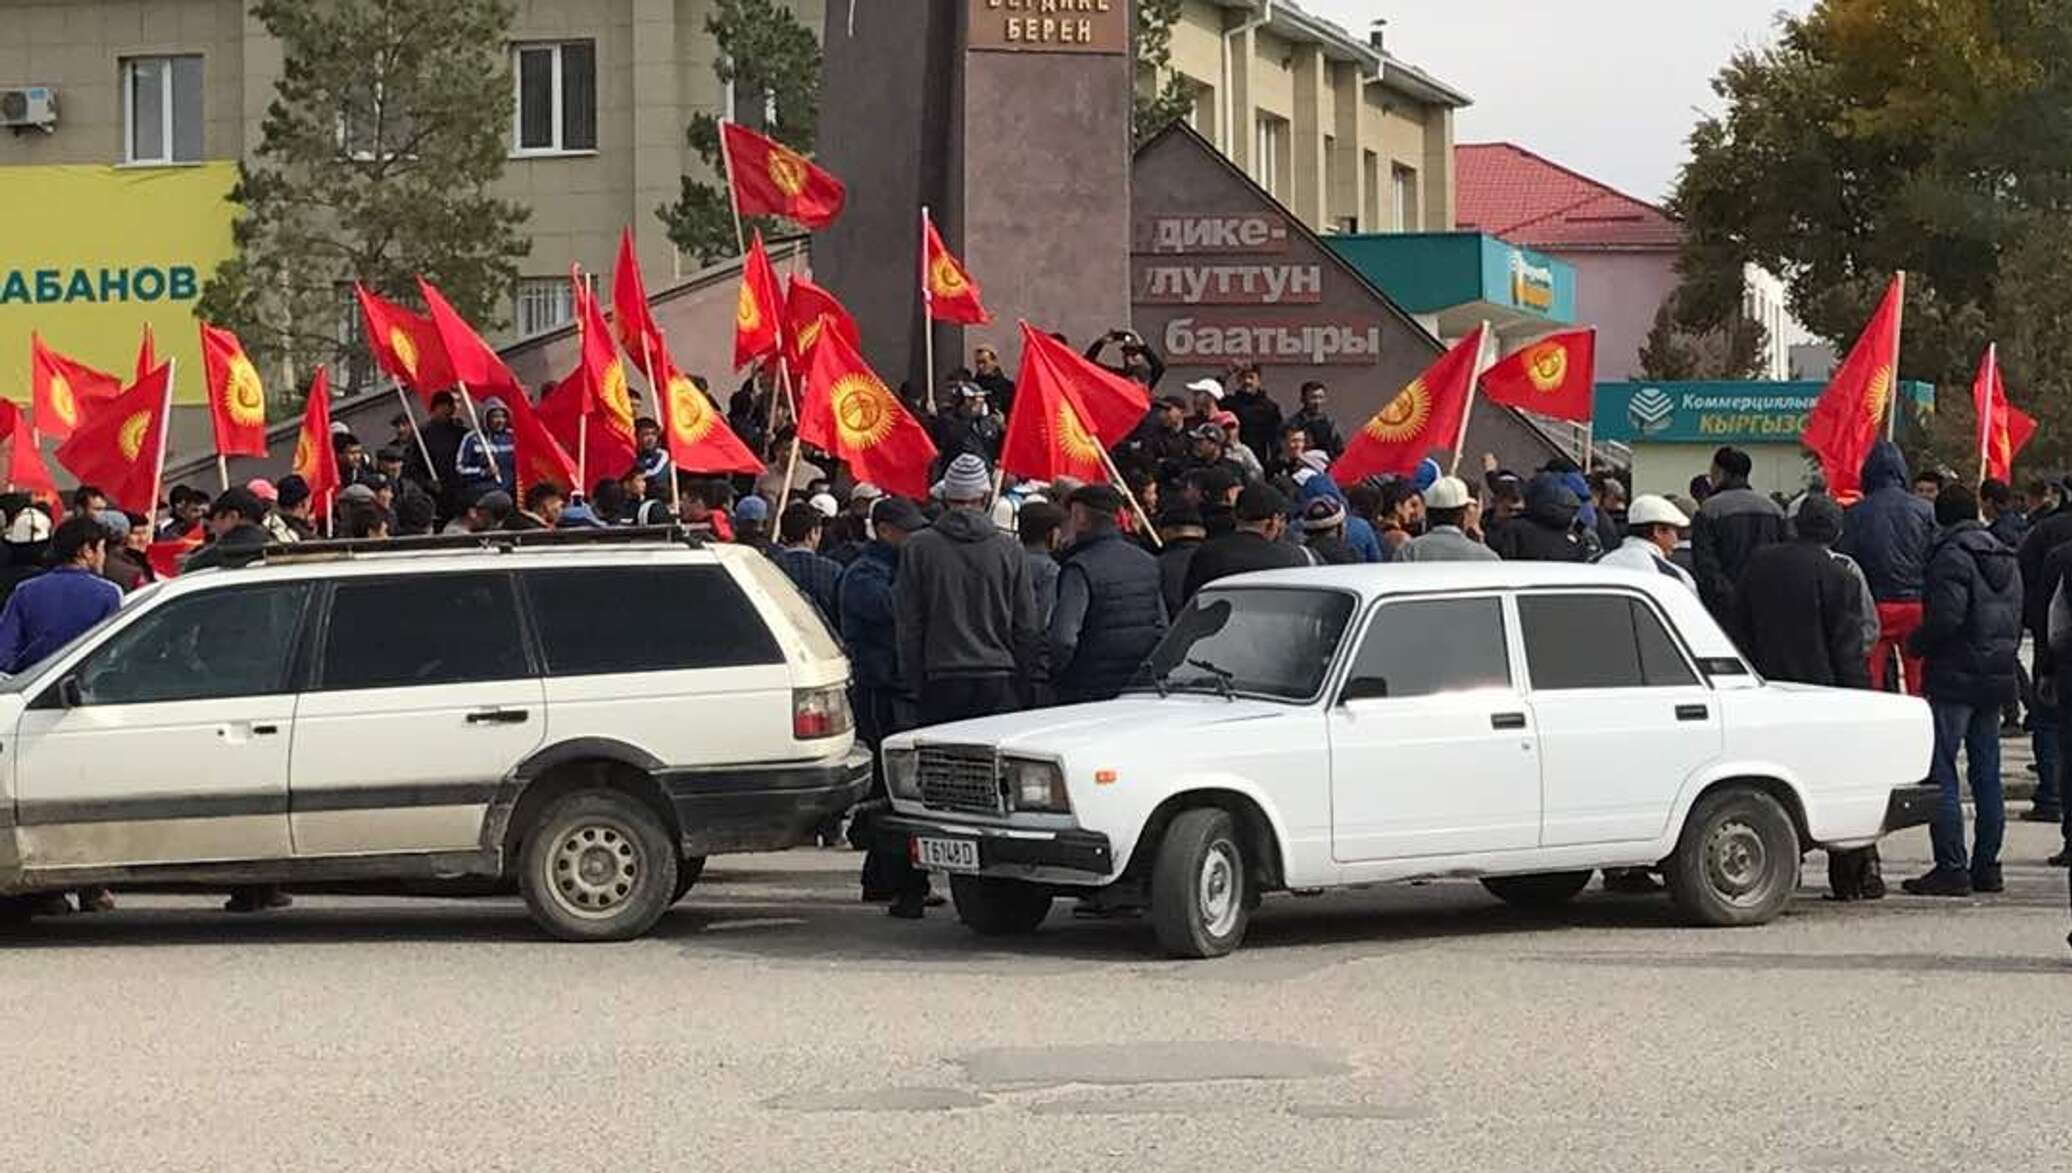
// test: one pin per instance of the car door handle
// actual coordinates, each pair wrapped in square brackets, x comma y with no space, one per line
[1692,712]
[499,717]
[265,730]
[1507,720]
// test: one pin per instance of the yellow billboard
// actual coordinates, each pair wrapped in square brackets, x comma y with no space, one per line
[94,253]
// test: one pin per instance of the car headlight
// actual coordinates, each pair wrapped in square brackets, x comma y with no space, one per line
[1035,785]
[903,773]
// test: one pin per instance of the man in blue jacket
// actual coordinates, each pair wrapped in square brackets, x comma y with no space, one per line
[46,612]
[884,701]
[1887,534]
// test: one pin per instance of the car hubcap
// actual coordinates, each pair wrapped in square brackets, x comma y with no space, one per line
[594,869]
[1219,894]
[1737,863]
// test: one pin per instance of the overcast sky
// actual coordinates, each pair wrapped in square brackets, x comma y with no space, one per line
[1606,87]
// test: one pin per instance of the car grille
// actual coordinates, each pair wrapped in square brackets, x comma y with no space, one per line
[959,777]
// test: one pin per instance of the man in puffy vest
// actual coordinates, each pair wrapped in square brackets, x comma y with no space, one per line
[1110,611]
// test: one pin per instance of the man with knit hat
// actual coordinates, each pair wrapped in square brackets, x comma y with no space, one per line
[1323,531]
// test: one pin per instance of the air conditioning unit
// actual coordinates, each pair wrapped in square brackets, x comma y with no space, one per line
[23,107]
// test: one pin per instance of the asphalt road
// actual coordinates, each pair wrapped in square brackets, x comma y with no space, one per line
[774,1023]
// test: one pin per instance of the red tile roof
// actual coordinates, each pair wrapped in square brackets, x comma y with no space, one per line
[1507,191]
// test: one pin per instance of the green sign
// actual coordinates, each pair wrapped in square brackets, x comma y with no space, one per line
[1716,412]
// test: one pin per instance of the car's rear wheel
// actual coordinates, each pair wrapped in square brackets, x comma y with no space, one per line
[1737,862]
[1537,893]
[1200,896]
[598,866]
[688,869]
[999,908]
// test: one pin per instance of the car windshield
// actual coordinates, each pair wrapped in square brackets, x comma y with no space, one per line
[1257,641]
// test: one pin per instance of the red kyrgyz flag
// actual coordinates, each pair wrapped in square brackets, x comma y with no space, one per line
[847,410]
[946,289]
[697,434]
[237,401]
[1067,412]
[809,309]
[405,344]
[2003,428]
[65,390]
[1850,415]
[1553,376]
[758,308]
[631,315]
[474,365]
[1427,413]
[147,354]
[771,179]
[316,461]
[538,456]
[25,467]
[121,446]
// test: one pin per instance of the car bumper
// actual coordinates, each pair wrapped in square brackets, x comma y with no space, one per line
[1065,855]
[1911,806]
[764,808]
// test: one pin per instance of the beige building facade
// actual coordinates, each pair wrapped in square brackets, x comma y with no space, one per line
[1347,135]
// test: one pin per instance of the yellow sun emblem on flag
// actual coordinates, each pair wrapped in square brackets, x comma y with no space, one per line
[946,279]
[1073,438]
[747,314]
[863,410]
[405,350]
[787,171]
[1403,417]
[616,399]
[243,396]
[1877,394]
[130,436]
[809,334]
[61,400]
[690,414]
[1547,365]
[305,456]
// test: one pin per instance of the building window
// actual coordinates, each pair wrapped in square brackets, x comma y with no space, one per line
[161,109]
[1370,190]
[1404,181]
[556,93]
[1267,145]
[544,303]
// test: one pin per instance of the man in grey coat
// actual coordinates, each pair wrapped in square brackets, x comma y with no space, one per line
[1445,539]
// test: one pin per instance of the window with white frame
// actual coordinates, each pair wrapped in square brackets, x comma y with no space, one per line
[1267,144]
[556,97]
[161,109]
[547,303]
[1404,181]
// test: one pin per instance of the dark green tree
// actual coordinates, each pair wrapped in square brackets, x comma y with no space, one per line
[1162,96]
[773,62]
[387,129]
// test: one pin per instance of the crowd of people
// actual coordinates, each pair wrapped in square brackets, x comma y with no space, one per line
[994,595]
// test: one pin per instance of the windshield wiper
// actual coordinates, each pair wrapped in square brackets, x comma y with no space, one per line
[1222,676]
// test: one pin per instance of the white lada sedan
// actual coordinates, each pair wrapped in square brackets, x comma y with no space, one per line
[1525,724]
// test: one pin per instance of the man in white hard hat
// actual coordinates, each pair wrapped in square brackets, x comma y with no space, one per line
[1653,528]
[1447,505]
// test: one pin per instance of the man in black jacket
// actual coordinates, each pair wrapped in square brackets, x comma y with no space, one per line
[1262,518]
[1971,626]
[2045,535]
[1545,530]
[1258,416]
[1180,534]
[1888,534]
[1109,613]
[2054,688]
[1734,522]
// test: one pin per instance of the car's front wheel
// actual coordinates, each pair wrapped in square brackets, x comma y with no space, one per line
[1737,862]
[999,908]
[598,866]
[1200,900]
[1537,893]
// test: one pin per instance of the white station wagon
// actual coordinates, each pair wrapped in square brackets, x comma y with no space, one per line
[1521,723]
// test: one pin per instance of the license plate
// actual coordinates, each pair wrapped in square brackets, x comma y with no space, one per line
[946,855]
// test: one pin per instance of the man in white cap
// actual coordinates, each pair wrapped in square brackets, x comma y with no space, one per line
[1447,504]
[1208,400]
[1653,528]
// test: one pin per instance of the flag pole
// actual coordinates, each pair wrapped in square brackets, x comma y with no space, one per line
[416,433]
[475,424]
[791,463]
[662,410]
[1985,412]
[1899,311]
[1467,409]
[927,324]
[726,155]
[165,430]
[223,470]
[582,453]
[1136,506]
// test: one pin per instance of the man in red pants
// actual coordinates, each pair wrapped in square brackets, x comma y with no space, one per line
[1887,534]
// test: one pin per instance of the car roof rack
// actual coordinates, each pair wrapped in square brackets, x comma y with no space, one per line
[490,541]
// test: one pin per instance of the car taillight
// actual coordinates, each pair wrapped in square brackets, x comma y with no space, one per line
[820,712]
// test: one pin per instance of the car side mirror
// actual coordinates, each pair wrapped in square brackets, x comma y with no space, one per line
[70,694]
[1361,688]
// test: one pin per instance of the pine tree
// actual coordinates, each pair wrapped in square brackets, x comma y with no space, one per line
[388,127]
[1163,96]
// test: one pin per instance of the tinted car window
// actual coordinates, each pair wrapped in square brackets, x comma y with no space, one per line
[1276,643]
[225,643]
[645,619]
[1432,646]
[1597,641]
[425,629]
